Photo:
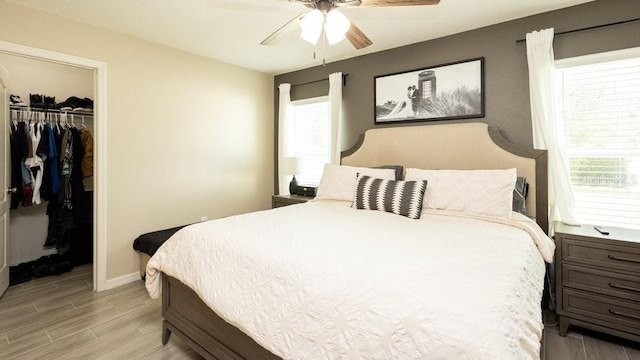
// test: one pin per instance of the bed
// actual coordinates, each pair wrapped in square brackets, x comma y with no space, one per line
[148,243]
[324,280]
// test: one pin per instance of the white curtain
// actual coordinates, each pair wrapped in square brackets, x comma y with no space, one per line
[286,137]
[547,131]
[335,115]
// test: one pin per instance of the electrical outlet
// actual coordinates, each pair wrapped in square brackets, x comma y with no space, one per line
[203,218]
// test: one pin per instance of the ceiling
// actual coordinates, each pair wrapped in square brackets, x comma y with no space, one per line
[231,30]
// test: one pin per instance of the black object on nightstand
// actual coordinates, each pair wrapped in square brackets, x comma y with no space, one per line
[306,190]
[293,186]
[598,279]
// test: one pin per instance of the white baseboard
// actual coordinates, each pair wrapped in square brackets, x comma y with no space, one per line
[122,280]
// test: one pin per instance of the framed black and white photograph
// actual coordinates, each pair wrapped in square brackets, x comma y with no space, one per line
[442,92]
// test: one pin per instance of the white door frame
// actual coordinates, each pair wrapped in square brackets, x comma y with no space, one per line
[5,199]
[100,147]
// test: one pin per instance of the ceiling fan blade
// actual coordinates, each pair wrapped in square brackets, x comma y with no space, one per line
[285,30]
[371,3]
[357,38]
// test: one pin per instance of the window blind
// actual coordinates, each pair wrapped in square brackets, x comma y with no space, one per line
[312,138]
[599,107]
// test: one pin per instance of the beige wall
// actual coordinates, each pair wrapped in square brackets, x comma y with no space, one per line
[186,136]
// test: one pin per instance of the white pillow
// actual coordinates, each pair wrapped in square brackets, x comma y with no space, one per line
[338,182]
[478,192]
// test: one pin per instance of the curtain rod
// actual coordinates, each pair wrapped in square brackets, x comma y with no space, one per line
[344,81]
[588,28]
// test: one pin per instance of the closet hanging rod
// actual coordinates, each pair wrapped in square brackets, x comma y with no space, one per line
[588,28]
[50,111]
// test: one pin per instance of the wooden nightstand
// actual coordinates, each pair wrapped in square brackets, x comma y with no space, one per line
[598,280]
[284,200]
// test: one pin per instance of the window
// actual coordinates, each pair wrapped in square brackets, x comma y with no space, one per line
[599,112]
[311,122]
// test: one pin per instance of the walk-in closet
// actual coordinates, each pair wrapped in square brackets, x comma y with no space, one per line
[52,132]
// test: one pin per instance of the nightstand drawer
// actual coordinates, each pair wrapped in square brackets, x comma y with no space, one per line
[598,280]
[604,282]
[610,312]
[607,255]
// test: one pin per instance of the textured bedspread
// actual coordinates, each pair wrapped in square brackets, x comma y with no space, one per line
[322,281]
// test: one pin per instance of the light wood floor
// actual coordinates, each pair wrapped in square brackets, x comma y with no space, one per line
[60,317]
[583,344]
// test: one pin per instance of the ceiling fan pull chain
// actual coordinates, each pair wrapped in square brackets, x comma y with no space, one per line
[324,48]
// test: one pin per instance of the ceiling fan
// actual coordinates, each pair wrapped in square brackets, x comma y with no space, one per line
[336,26]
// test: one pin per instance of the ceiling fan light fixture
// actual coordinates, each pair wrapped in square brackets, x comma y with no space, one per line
[311,26]
[336,26]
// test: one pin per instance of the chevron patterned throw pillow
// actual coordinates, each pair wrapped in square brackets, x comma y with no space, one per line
[397,197]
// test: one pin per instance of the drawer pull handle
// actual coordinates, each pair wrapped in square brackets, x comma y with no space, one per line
[616,286]
[634,317]
[623,259]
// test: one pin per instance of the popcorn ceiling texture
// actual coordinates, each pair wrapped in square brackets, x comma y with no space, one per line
[231,30]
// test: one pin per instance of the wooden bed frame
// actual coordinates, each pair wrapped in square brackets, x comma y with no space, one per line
[451,146]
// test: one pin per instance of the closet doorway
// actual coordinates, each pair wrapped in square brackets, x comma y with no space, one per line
[96,74]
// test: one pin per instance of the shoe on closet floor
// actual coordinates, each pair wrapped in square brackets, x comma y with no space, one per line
[42,271]
[53,269]
[17,275]
[31,266]
[40,267]
[60,268]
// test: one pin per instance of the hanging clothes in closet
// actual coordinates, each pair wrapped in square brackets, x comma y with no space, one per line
[48,161]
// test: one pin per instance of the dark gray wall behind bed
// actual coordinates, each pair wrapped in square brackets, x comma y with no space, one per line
[506,78]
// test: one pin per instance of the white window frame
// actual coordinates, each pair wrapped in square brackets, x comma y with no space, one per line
[589,60]
[315,167]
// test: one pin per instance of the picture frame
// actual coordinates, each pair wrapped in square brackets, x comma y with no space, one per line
[442,92]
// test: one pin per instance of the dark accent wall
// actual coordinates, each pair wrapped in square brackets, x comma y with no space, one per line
[506,78]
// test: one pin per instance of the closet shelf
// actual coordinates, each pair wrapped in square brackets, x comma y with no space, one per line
[52,111]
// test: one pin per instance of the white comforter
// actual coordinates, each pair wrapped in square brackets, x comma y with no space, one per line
[323,281]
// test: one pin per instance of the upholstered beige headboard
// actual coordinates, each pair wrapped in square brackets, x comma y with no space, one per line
[464,146]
